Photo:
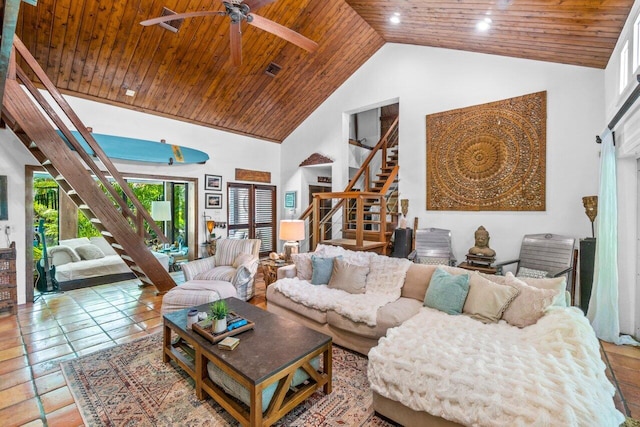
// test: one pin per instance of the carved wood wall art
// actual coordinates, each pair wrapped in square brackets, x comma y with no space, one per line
[489,157]
[251,175]
[315,159]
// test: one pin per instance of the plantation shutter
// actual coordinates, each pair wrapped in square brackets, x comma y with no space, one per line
[251,214]
[264,197]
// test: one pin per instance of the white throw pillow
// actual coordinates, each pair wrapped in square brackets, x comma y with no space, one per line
[89,251]
[304,268]
[241,259]
[487,300]
[74,243]
[530,305]
[557,283]
[350,278]
[61,255]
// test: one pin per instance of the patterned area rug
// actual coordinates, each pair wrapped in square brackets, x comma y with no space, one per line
[129,385]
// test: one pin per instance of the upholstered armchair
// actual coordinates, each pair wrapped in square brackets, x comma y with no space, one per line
[235,261]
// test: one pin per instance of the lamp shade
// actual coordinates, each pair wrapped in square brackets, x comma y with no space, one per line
[161,211]
[291,230]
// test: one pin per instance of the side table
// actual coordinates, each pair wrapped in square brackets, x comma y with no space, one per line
[270,270]
[482,269]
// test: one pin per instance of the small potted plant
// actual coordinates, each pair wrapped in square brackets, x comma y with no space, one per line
[219,311]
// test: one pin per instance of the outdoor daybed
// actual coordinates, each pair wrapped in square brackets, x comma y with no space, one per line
[514,354]
[91,261]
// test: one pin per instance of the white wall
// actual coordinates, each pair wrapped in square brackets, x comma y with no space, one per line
[627,135]
[13,157]
[430,80]
[226,152]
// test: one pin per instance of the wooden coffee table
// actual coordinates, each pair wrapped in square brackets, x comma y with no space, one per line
[269,353]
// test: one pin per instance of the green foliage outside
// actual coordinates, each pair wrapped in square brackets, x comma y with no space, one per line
[46,206]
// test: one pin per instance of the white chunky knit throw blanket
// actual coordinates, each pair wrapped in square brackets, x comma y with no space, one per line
[384,285]
[476,374]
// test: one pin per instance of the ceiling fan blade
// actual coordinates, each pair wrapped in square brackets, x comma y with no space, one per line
[235,36]
[177,16]
[256,4]
[283,32]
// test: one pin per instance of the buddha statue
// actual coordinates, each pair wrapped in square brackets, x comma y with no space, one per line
[481,247]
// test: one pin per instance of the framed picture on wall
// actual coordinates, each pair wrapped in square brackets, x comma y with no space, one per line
[290,200]
[213,200]
[213,182]
[4,205]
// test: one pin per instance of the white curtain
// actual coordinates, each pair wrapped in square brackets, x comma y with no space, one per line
[603,305]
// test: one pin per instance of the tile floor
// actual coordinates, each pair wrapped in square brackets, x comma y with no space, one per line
[63,326]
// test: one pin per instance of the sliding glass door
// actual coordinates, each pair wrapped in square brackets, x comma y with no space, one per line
[252,213]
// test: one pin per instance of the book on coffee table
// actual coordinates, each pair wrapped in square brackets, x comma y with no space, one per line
[229,343]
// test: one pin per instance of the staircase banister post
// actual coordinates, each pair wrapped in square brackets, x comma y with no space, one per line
[383,218]
[360,220]
[316,222]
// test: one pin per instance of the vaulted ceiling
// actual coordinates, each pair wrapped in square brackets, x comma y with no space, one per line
[98,50]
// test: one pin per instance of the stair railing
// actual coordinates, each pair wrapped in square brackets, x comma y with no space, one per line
[317,229]
[388,140]
[137,219]
[344,197]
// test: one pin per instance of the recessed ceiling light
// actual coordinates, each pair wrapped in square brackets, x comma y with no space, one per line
[395,19]
[484,25]
[130,92]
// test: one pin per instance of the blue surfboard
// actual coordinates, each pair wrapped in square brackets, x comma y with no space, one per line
[140,150]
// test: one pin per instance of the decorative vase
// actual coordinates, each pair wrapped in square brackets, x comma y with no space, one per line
[220,325]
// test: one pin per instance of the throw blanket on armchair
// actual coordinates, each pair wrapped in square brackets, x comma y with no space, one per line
[384,285]
[547,374]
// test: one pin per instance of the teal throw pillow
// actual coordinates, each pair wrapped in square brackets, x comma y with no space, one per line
[447,292]
[322,268]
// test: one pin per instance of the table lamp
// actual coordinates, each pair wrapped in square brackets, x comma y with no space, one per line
[291,230]
[211,224]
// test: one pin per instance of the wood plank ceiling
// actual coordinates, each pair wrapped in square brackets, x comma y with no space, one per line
[577,32]
[96,49]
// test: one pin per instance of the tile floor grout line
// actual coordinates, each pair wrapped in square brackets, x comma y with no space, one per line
[38,395]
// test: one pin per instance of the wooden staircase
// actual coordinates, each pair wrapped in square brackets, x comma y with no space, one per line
[77,172]
[366,217]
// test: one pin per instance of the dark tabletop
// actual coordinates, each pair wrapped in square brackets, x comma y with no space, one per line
[273,344]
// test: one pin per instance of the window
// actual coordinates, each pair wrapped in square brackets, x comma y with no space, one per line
[624,66]
[636,44]
[251,214]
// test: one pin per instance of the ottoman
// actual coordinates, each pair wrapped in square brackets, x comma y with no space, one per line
[196,292]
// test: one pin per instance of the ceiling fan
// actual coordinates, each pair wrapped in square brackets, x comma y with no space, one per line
[240,11]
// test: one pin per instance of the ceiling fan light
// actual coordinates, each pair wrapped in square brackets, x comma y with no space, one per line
[484,25]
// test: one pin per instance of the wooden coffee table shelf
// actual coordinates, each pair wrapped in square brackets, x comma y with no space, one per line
[269,353]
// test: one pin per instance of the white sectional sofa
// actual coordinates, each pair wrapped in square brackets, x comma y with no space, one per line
[91,261]
[475,367]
